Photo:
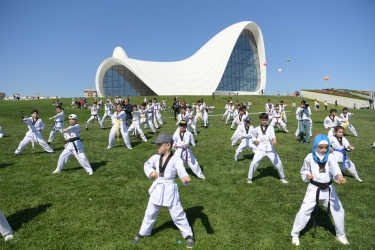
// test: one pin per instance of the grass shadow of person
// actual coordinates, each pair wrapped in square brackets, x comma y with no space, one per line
[4,165]
[192,214]
[268,171]
[323,220]
[94,165]
[24,216]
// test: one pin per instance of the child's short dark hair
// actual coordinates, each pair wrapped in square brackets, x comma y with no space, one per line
[59,107]
[345,109]
[268,100]
[333,111]
[303,102]
[183,107]
[95,103]
[135,106]
[144,104]
[241,109]
[263,116]
[276,105]
[337,128]
[34,111]
[281,101]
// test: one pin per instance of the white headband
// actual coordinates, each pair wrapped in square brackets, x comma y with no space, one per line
[323,142]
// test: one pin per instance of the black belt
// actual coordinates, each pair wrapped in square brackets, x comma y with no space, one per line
[305,120]
[72,140]
[321,186]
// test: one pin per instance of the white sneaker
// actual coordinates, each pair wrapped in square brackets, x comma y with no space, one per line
[284,181]
[249,181]
[358,179]
[90,173]
[109,147]
[235,159]
[56,172]
[295,240]
[343,240]
[8,237]
[130,148]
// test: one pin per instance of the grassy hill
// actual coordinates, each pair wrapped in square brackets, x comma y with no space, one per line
[73,210]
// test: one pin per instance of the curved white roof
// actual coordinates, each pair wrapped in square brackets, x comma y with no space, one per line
[199,74]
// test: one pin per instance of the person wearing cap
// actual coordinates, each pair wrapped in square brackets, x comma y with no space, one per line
[94,115]
[276,118]
[246,135]
[36,126]
[119,126]
[239,121]
[345,117]
[182,140]
[136,123]
[319,167]
[184,116]
[163,167]
[107,110]
[73,146]
[265,139]
[58,125]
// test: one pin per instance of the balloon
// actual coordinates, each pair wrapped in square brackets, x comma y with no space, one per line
[288,59]
[265,63]
[279,70]
[326,78]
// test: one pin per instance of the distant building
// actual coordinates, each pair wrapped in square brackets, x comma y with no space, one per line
[90,93]
[2,95]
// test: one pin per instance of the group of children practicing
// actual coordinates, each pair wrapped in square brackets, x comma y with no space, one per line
[319,166]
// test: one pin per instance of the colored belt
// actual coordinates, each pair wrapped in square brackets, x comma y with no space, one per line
[321,186]
[343,151]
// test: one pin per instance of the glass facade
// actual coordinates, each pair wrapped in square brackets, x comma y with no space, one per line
[243,71]
[120,81]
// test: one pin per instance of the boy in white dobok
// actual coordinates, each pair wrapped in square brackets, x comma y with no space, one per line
[247,134]
[58,125]
[236,113]
[151,115]
[119,127]
[164,167]
[184,116]
[331,121]
[341,146]
[239,121]
[191,122]
[36,127]
[73,147]
[345,117]
[145,118]
[282,110]
[319,167]
[225,113]
[182,140]
[200,113]
[94,115]
[229,112]
[157,115]
[276,118]
[268,105]
[107,110]
[264,137]
[136,125]
[5,229]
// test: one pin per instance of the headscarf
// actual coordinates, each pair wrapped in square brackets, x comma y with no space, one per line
[318,138]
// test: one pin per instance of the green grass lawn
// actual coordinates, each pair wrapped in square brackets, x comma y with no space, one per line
[73,210]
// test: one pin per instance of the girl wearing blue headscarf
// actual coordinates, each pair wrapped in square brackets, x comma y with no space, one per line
[319,167]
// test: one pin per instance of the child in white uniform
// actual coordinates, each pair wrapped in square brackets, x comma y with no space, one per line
[276,118]
[226,111]
[345,117]
[94,115]
[200,113]
[282,110]
[136,125]
[191,122]
[145,118]
[247,134]
[320,167]
[182,140]
[58,125]
[331,121]
[164,167]
[119,126]
[229,112]
[73,147]
[151,115]
[264,137]
[36,126]
[239,121]
[340,145]
[157,115]
[184,116]
[5,229]
[107,110]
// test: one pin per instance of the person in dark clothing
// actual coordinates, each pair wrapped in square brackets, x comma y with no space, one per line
[128,108]
[176,107]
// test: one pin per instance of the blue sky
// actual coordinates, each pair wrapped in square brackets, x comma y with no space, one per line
[55,47]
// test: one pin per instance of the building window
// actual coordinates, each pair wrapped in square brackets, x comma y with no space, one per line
[242,72]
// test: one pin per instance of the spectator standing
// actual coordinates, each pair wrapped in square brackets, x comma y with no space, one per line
[326,105]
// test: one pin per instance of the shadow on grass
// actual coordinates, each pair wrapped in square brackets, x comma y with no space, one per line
[268,171]
[4,165]
[247,155]
[24,216]
[192,215]
[94,165]
[323,220]
[58,149]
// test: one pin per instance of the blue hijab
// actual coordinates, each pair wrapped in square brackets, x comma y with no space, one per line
[317,139]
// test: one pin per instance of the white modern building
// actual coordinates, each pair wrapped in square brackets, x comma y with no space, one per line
[231,62]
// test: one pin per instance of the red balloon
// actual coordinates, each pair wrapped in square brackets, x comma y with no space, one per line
[326,78]
[265,63]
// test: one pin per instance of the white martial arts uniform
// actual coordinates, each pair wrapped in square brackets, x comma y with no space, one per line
[267,106]
[34,135]
[235,114]
[346,117]
[107,111]
[239,120]
[164,192]
[94,115]
[226,111]
[200,114]
[5,228]
[330,124]
[136,125]
[331,169]
[119,126]
[146,120]
[151,115]
[157,115]
[265,148]
[187,118]
[229,113]
[191,122]
[339,152]
[276,119]
[185,153]
[74,147]
[283,113]
[58,126]
[205,114]
[246,135]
